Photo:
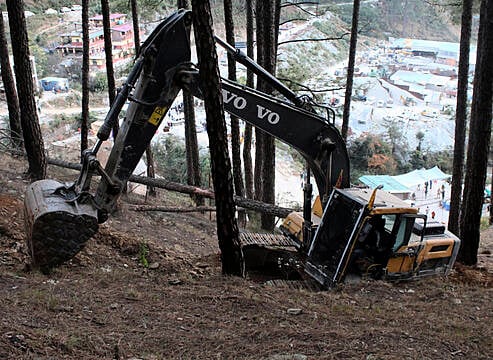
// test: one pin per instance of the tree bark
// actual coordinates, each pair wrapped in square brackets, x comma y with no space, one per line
[136,27]
[150,170]
[479,139]
[227,228]
[460,118]
[84,127]
[150,159]
[247,138]
[108,50]
[172,209]
[10,91]
[235,125]
[31,131]
[183,4]
[350,70]
[269,148]
[191,143]
[259,134]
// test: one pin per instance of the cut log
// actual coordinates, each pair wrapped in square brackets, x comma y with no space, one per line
[171,209]
[250,204]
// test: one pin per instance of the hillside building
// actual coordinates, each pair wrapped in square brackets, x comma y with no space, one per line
[122,38]
[442,51]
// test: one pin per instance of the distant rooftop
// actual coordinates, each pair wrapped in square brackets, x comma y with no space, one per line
[123,27]
[416,77]
[389,183]
[112,17]
[92,33]
[441,48]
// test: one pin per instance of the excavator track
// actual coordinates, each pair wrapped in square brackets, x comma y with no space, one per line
[267,240]
[276,251]
[269,257]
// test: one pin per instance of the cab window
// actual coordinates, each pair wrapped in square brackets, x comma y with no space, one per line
[403,232]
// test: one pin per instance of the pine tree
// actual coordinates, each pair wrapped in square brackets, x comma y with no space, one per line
[227,228]
[31,131]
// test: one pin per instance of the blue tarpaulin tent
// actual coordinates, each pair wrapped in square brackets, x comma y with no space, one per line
[389,184]
[403,185]
[417,177]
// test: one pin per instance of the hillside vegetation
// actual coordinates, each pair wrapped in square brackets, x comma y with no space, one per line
[379,18]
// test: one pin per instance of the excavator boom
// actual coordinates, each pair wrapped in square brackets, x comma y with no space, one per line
[161,70]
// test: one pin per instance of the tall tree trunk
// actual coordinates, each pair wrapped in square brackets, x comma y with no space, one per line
[183,4]
[10,91]
[136,27]
[460,118]
[350,70]
[259,134]
[269,148]
[479,139]
[247,138]
[191,143]
[235,126]
[151,191]
[108,50]
[227,228]
[85,77]
[277,20]
[31,131]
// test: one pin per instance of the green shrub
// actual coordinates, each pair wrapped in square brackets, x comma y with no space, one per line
[170,159]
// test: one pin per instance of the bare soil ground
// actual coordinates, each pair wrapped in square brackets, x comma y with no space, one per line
[104,304]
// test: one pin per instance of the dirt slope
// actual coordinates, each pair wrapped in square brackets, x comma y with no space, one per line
[105,304]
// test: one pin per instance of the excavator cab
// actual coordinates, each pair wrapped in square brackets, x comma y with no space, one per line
[374,234]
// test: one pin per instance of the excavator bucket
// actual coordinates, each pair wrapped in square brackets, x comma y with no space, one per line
[57,227]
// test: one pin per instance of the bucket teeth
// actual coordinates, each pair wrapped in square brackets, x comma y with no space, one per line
[56,229]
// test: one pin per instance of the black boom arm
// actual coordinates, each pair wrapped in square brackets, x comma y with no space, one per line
[165,68]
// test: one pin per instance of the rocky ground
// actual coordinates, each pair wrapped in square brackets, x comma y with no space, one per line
[149,286]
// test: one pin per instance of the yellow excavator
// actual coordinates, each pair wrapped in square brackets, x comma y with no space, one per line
[346,231]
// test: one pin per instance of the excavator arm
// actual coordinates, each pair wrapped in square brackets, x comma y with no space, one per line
[161,70]
[167,69]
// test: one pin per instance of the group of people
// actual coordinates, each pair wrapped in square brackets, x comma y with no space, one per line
[440,194]
[428,185]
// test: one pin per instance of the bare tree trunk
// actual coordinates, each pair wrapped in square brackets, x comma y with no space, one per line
[259,134]
[10,91]
[183,4]
[235,126]
[269,148]
[479,139]
[33,140]
[191,143]
[136,27]
[247,138]
[150,159]
[460,118]
[277,20]
[227,228]
[350,70]
[108,50]
[84,128]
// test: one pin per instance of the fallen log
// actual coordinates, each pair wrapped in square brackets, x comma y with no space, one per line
[188,189]
[171,209]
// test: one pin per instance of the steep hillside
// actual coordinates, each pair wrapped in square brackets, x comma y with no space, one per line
[149,286]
